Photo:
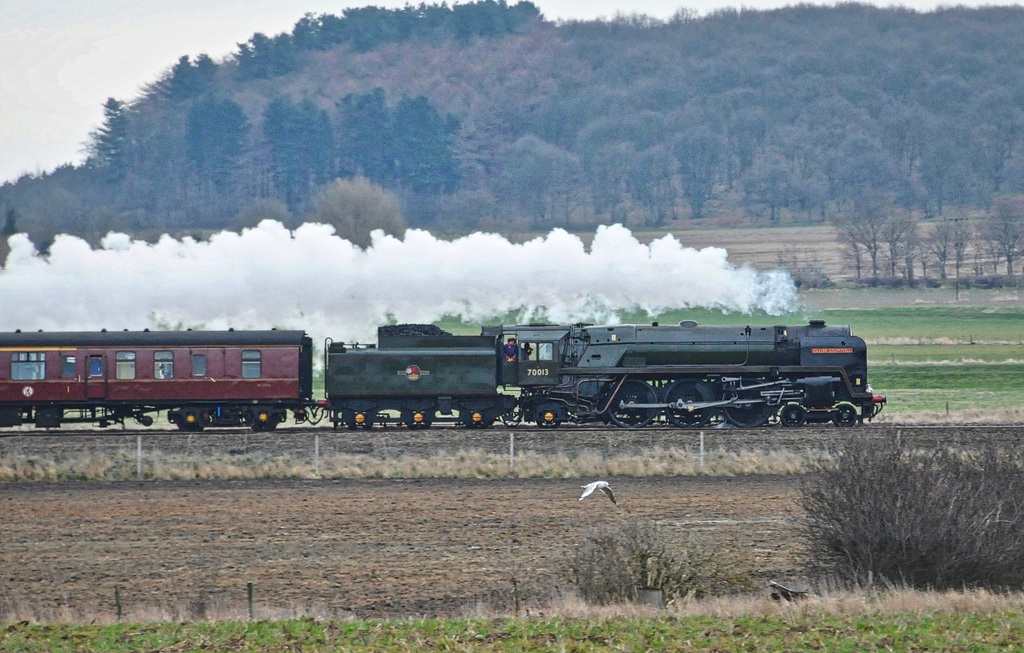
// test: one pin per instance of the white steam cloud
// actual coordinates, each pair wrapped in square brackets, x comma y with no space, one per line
[312,279]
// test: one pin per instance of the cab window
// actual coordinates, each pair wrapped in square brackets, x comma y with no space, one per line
[545,351]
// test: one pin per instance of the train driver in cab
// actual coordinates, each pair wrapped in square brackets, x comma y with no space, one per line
[511,350]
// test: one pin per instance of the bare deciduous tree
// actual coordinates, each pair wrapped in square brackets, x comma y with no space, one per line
[863,228]
[1003,230]
[899,233]
[939,244]
[962,234]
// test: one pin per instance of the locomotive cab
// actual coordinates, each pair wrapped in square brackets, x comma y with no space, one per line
[531,359]
[531,354]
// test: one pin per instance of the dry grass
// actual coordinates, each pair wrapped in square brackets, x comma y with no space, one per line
[857,602]
[563,604]
[15,609]
[474,463]
[940,417]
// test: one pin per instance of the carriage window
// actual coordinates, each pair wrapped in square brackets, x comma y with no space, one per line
[163,365]
[198,364]
[67,366]
[252,366]
[95,366]
[28,366]
[545,351]
[125,365]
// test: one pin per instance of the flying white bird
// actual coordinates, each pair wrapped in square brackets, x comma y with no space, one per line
[597,485]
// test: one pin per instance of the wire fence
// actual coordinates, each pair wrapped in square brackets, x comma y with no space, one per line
[397,443]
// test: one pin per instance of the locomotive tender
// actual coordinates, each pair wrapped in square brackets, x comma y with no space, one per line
[686,375]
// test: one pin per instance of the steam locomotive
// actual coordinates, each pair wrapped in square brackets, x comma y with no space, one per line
[685,375]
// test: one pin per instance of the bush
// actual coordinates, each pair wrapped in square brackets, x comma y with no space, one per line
[612,563]
[810,276]
[993,281]
[935,519]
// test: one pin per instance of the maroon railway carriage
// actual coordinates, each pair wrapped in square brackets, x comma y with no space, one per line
[201,378]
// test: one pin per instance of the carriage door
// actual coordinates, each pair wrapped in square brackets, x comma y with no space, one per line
[96,377]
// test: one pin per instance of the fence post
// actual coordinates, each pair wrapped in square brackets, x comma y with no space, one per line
[511,452]
[138,458]
[702,451]
[117,601]
[248,589]
[316,455]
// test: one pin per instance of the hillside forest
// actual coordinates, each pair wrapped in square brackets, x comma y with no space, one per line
[486,115]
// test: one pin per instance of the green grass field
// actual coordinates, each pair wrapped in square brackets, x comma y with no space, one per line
[942,631]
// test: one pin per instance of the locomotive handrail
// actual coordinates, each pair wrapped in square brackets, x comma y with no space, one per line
[327,348]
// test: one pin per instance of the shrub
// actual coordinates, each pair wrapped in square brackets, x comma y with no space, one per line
[935,519]
[810,276]
[612,563]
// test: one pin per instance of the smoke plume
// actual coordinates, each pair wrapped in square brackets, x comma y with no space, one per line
[311,279]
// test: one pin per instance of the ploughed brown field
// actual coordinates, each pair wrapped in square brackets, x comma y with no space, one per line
[369,548]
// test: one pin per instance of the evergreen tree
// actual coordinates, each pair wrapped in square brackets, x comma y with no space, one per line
[10,223]
[300,140]
[215,139]
[109,146]
[262,57]
[365,143]
[423,147]
[188,80]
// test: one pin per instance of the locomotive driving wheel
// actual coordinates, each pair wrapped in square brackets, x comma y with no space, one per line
[688,391]
[633,392]
[748,416]
[754,411]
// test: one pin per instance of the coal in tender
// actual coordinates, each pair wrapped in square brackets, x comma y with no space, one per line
[411,330]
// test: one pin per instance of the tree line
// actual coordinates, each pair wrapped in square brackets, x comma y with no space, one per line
[886,244]
[488,115]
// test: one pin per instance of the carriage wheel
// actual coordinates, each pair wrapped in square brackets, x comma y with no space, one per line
[637,392]
[688,391]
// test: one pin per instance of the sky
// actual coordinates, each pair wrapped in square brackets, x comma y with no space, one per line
[60,60]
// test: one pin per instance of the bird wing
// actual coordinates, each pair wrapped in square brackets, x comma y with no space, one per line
[588,490]
[607,490]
